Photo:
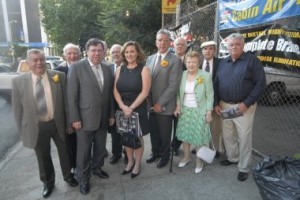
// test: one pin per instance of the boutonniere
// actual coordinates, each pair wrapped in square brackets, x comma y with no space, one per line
[55,78]
[164,63]
[199,80]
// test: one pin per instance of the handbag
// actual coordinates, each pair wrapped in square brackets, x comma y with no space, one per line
[130,139]
[206,154]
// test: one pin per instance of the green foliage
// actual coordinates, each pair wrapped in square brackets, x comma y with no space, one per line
[76,21]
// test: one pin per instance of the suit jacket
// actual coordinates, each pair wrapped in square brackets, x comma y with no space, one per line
[214,68]
[203,90]
[25,110]
[64,69]
[165,81]
[87,103]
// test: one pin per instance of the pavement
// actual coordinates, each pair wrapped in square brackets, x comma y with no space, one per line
[19,179]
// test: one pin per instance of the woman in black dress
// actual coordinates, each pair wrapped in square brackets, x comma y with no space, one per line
[132,85]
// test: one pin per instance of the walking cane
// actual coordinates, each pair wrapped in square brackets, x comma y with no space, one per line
[172,146]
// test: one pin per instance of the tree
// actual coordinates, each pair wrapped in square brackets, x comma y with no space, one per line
[70,21]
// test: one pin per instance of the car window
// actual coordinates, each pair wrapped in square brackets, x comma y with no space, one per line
[4,68]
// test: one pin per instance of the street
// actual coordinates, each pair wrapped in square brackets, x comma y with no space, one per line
[8,131]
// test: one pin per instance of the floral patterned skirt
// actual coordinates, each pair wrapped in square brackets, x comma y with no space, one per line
[192,128]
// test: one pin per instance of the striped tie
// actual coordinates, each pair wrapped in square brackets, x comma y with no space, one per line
[40,98]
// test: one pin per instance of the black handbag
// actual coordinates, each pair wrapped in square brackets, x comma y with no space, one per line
[130,139]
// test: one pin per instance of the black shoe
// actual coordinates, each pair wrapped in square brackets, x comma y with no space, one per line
[106,153]
[217,154]
[48,188]
[242,176]
[99,172]
[193,151]
[133,175]
[227,162]
[127,172]
[152,159]
[84,189]
[162,162]
[176,152]
[72,181]
[114,159]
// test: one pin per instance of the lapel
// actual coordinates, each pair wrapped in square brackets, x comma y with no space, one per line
[167,58]
[29,95]
[53,86]
[152,63]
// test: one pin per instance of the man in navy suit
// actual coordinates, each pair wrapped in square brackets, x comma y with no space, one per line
[71,55]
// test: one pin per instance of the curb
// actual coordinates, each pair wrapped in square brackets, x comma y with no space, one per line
[10,154]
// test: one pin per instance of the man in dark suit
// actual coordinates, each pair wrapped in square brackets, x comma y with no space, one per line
[180,46]
[71,55]
[166,71]
[38,100]
[116,57]
[210,64]
[90,87]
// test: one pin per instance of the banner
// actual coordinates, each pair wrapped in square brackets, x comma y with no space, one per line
[275,45]
[169,6]
[239,13]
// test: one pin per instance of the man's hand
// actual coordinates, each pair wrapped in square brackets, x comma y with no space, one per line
[157,108]
[111,121]
[218,110]
[70,130]
[242,108]
[76,125]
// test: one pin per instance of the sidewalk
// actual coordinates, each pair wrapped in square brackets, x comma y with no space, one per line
[19,180]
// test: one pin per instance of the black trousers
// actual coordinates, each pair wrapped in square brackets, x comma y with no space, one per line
[116,145]
[175,143]
[160,134]
[72,148]
[48,130]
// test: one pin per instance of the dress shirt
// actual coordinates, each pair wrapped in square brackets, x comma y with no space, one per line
[241,81]
[210,65]
[48,95]
[100,71]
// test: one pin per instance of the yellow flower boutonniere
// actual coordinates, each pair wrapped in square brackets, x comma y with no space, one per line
[199,80]
[164,63]
[55,78]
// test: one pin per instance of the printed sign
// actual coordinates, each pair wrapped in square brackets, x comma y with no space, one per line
[169,6]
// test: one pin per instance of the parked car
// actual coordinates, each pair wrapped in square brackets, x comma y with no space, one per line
[280,85]
[4,68]
[53,58]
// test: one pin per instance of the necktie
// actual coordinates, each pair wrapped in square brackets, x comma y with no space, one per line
[157,64]
[98,77]
[207,68]
[40,98]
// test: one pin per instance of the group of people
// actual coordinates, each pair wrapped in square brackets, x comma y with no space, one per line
[185,92]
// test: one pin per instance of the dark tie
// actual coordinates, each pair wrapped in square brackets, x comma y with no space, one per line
[157,64]
[207,66]
[40,98]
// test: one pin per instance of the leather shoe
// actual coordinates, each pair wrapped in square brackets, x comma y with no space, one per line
[152,159]
[48,188]
[114,159]
[84,189]
[176,152]
[227,162]
[242,176]
[162,162]
[182,164]
[198,169]
[72,181]
[133,175]
[193,151]
[99,172]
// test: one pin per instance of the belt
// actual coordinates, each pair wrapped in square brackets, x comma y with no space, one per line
[233,102]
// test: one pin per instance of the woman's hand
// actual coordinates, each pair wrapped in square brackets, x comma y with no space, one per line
[127,111]
[208,117]
[177,111]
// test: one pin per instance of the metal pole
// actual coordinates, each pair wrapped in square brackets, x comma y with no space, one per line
[11,40]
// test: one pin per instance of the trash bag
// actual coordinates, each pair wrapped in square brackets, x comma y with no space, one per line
[278,178]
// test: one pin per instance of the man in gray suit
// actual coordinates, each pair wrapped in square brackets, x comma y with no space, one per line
[166,71]
[38,102]
[90,101]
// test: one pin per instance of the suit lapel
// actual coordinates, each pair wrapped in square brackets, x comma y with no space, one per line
[29,95]
[92,74]
[53,87]
[167,58]
[152,64]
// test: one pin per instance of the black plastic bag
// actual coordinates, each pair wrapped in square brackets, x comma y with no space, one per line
[278,178]
[130,139]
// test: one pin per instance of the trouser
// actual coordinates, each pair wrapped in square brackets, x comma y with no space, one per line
[90,153]
[71,141]
[116,144]
[160,134]
[237,134]
[48,130]
[216,129]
